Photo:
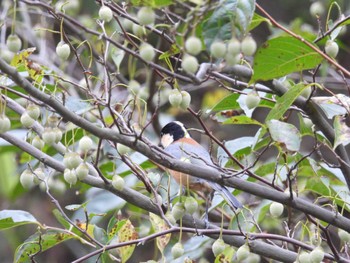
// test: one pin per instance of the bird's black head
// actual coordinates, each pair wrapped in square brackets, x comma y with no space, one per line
[171,132]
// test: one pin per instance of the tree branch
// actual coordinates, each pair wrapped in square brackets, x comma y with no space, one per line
[157,155]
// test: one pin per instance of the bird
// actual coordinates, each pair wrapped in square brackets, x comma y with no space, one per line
[176,141]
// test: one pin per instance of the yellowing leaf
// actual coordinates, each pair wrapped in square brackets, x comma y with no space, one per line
[126,233]
[22,56]
[90,228]
[22,63]
[159,225]
[242,120]
[226,256]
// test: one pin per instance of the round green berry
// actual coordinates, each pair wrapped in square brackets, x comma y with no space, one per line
[234,46]
[63,50]
[38,143]
[58,134]
[146,16]
[218,246]
[147,52]
[191,205]
[118,182]
[304,257]
[5,124]
[190,64]
[123,149]
[193,45]
[105,13]
[26,120]
[186,100]
[14,43]
[243,252]
[178,211]
[175,98]
[317,255]
[276,209]
[82,171]
[331,48]
[33,111]
[27,179]
[344,235]
[72,160]
[232,60]
[137,30]
[218,49]
[252,100]
[248,46]
[317,9]
[85,144]
[48,136]
[70,176]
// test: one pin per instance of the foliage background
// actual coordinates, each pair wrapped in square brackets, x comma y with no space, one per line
[294,14]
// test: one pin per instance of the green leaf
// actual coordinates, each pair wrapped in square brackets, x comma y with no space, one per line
[173,50]
[281,56]
[305,128]
[13,218]
[245,13]
[152,3]
[268,103]
[74,207]
[342,131]
[228,103]
[266,169]
[242,120]
[284,102]
[8,180]
[231,17]
[60,218]
[333,105]
[257,20]
[346,22]
[47,240]
[284,133]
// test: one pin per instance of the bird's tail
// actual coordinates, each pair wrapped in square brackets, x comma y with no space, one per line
[227,195]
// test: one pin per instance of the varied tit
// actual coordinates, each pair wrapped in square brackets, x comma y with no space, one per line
[177,142]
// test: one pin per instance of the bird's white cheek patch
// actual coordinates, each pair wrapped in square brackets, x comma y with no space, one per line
[166,140]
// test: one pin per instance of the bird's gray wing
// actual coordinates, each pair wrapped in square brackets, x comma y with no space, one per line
[196,154]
